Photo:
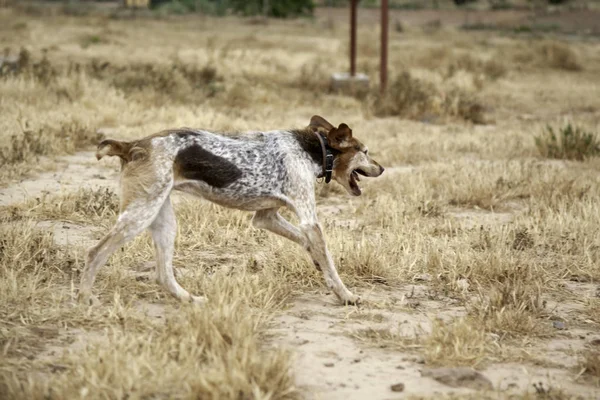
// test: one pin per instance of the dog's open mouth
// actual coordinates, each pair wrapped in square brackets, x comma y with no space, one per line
[354,179]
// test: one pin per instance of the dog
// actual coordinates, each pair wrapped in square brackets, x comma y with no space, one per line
[253,171]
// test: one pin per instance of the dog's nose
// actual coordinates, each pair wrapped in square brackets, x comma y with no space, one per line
[381,170]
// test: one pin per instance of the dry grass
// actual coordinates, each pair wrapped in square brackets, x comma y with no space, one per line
[149,82]
[409,97]
[85,205]
[496,230]
[558,55]
[215,349]
[388,338]
[29,144]
[591,364]
[450,343]
[461,342]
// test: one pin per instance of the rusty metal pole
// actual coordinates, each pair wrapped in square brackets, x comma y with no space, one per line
[353,6]
[383,78]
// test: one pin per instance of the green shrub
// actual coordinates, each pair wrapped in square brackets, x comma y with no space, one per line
[571,143]
[277,8]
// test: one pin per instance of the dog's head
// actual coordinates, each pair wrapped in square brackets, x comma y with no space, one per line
[353,157]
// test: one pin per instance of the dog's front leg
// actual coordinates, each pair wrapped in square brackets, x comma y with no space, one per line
[322,259]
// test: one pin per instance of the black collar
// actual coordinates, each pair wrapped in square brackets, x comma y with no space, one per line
[327,158]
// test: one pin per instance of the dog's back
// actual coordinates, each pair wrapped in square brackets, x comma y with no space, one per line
[235,170]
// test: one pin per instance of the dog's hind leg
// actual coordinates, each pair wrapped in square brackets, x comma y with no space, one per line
[163,230]
[136,216]
[270,220]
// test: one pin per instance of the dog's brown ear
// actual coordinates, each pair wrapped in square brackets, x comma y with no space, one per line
[318,123]
[340,137]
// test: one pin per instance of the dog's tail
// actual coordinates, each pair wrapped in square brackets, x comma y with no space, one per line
[111,147]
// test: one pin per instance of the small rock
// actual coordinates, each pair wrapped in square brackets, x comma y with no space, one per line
[356,360]
[304,315]
[459,377]
[343,82]
[329,365]
[559,325]
[400,367]
[398,387]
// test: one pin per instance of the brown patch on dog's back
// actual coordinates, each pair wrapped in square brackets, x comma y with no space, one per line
[196,163]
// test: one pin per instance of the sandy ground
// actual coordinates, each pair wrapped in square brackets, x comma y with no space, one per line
[69,173]
[330,362]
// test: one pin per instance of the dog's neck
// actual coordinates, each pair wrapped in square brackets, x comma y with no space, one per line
[310,144]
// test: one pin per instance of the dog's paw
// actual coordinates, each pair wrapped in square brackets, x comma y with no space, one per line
[87,299]
[351,300]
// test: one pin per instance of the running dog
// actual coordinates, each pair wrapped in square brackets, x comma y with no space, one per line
[254,171]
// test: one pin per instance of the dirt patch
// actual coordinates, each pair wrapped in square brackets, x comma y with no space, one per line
[70,234]
[330,364]
[70,173]
[474,218]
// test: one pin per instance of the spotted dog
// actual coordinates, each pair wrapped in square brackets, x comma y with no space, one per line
[255,171]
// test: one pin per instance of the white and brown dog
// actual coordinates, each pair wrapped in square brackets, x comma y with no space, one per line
[256,171]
